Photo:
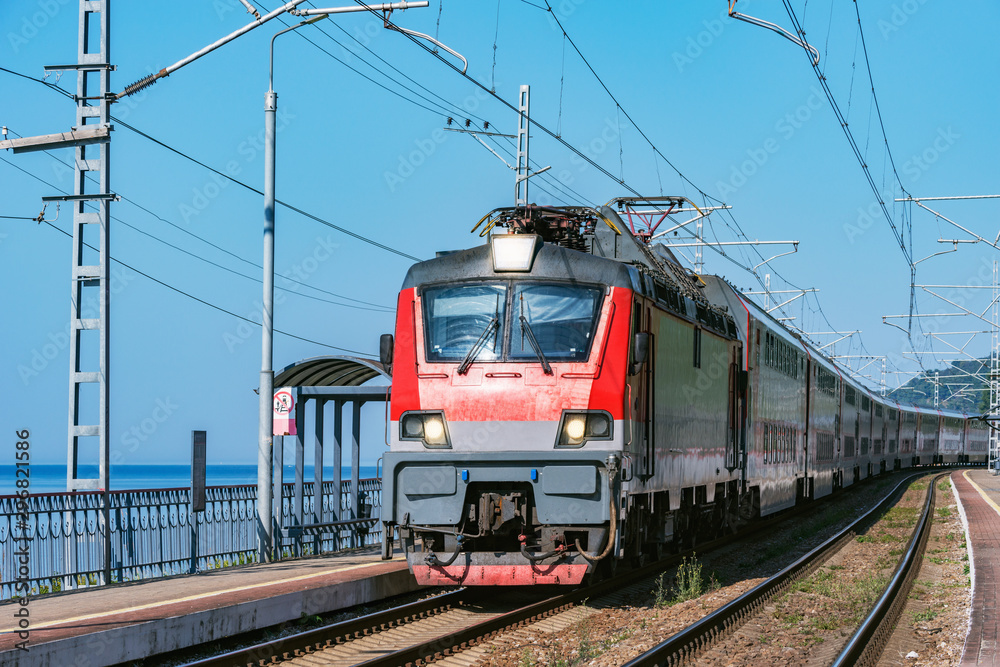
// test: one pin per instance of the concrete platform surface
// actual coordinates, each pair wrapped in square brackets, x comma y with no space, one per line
[110,625]
[979,495]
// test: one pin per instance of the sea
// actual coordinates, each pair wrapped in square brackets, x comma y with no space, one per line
[51,478]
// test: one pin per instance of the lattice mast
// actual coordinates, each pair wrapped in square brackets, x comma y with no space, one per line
[91,210]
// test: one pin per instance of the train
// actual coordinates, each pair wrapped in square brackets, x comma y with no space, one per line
[568,399]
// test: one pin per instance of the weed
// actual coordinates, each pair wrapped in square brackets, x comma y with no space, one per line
[586,650]
[662,593]
[928,615]
[526,660]
[689,581]
[944,486]
[825,624]
[943,512]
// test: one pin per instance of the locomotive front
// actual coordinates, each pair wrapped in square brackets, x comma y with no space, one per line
[508,414]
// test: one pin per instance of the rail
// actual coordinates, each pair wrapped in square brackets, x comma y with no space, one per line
[153,534]
[686,644]
[866,645]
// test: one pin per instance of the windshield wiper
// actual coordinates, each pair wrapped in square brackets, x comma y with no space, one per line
[480,343]
[526,329]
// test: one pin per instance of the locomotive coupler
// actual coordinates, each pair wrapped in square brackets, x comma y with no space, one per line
[432,558]
[559,551]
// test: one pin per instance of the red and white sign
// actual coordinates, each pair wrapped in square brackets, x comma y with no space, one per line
[284,411]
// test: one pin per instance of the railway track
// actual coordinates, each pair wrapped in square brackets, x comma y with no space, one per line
[447,625]
[863,648]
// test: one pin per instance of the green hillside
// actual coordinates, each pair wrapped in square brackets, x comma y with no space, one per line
[958,390]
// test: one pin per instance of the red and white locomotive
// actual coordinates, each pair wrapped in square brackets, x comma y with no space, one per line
[567,395]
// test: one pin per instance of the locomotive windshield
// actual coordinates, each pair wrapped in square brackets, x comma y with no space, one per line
[561,317]
[456,317]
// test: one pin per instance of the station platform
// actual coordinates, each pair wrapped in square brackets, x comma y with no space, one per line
[979,495]
[114,624]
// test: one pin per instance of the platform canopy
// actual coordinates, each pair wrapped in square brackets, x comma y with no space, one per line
[330,371]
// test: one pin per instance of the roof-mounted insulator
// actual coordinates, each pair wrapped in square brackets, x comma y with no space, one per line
[142,84]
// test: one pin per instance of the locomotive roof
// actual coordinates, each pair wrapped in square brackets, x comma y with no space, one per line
[551,262]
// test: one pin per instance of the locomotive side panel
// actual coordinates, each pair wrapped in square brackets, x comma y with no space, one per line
[691,400]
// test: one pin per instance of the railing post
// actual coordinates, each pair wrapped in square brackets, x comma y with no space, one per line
[355,465]
[297,518]
[278,495]
[338,463]
[317,513]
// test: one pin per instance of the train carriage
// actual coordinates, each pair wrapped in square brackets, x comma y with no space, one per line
[823,438]
[977,442]
[927,437]
[908,438]
[892,436]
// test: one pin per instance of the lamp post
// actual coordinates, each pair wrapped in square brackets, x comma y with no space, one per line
[265,440]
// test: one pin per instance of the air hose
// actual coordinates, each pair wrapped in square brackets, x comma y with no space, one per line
[612,475]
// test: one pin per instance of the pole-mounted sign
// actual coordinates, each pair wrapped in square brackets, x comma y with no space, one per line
[284,411]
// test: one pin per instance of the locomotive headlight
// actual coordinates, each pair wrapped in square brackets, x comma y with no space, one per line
[578,427]
[433,429]
[514,252]
[428,427]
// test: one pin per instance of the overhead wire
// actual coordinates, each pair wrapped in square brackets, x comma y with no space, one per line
[311,216]
[172,287]
[376,307]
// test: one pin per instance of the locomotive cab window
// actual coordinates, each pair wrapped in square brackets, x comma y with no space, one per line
[560,317]
[500,320]
[457,316]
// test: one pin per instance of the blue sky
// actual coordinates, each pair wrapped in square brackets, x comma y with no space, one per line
[734,107]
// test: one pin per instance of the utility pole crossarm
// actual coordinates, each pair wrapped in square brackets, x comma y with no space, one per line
[89,134]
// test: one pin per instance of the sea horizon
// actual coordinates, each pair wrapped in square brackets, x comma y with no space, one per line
[51,477]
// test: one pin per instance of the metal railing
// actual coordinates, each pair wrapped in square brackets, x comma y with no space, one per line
[152,533]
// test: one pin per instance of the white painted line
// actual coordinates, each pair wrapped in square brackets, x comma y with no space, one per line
[989,500]
[200,596]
